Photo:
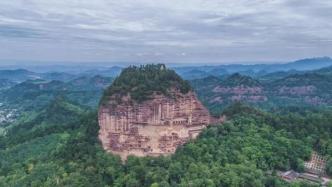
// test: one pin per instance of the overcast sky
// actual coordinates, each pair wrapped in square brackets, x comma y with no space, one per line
[182,31]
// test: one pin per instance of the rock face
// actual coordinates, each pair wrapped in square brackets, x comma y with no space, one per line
[253,94]
[154,127]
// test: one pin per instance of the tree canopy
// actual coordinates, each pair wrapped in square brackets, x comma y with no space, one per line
[245,151]
[141,82]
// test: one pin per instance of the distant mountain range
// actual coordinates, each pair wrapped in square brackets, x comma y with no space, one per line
[20,75]
[309,88]
[255,70]
[186,72]
[35,94]
[301,82]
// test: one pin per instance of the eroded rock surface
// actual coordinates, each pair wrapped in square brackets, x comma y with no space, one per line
[151,128]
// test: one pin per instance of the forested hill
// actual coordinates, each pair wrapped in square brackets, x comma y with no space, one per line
[245,151]
[141,82]
[312,88]
[237,79]
[57,145]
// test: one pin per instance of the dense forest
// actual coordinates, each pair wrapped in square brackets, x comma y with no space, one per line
[53,148]
[54,142]
[141,82]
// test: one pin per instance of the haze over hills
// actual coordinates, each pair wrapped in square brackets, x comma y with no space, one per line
[20,75]
[50,128]
[217,86]
[187,72]
[271,80]
[33,95]
[295,89]
[254,70]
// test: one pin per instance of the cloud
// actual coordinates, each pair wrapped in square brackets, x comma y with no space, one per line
[205,31]
[19,32]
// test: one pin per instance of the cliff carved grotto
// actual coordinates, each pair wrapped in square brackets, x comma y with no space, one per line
[154,127]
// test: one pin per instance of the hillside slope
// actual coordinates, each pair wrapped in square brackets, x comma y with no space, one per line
[312,88]
[242,152]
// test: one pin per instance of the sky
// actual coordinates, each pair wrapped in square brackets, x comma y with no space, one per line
[167,31]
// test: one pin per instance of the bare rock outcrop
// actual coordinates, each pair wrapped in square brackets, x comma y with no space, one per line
[154,127]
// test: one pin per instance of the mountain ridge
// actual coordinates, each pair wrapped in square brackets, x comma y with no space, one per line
[310,88]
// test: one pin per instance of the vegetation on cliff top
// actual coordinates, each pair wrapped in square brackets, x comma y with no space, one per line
[141,82]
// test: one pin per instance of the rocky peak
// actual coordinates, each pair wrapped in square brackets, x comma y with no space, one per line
[167,115]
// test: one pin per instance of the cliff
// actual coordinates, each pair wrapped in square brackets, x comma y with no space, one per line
[305,89]
[152,127]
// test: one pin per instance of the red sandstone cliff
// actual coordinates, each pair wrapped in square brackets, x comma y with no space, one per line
[151,128]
